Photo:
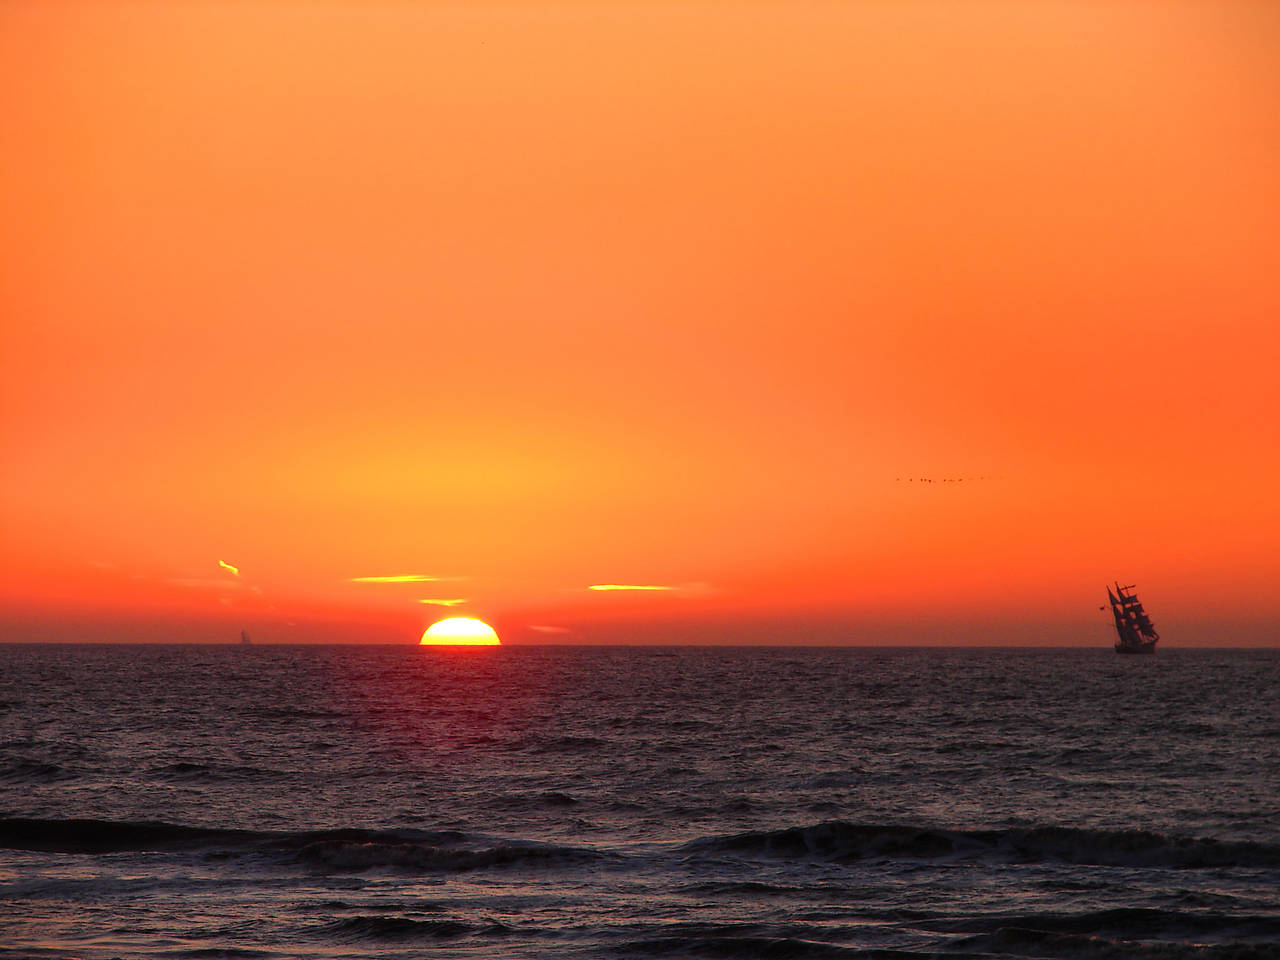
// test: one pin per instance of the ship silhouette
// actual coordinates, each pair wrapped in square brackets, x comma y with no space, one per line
[1134,629]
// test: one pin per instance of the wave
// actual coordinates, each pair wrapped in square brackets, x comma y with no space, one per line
[401,929]
[347,850]
[833,779]
[292,713]
[840,841]
[775,948]
[566,744]
[419,857]
[809,891]
[33,771]
[1100,935]
[355,849]
[218,953]
[736,940]
[533,801]
[1137,923]
[1016,941]
[102,836]
[187,772]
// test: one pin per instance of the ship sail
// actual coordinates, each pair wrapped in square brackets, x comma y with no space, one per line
[1136,632]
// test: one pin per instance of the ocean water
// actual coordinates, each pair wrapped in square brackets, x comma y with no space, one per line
[270,802]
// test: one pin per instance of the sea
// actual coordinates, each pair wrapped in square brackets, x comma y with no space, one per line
[190,801]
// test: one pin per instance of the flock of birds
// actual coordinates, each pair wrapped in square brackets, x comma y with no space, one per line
[938,479]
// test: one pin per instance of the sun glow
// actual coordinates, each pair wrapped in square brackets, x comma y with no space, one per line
[460,631]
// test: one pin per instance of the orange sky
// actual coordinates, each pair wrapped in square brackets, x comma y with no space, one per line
[533,296]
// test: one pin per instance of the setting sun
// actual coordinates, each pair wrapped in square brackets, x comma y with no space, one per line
[461,630]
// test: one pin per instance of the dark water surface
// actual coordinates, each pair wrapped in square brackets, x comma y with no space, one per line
[261,802]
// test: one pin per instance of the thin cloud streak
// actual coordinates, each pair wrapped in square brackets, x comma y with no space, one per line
[628,586]
[402,578]
[444,603]
[235,571]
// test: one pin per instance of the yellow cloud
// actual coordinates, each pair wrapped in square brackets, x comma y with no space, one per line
[235,571]
[403,578]
[444,603]
[627,586]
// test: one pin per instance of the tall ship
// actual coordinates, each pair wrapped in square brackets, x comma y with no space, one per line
[1136,632]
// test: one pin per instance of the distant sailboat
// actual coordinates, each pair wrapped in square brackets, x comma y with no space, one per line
[244,637]
[1136,632]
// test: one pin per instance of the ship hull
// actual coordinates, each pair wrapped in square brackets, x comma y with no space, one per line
[1151,648]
